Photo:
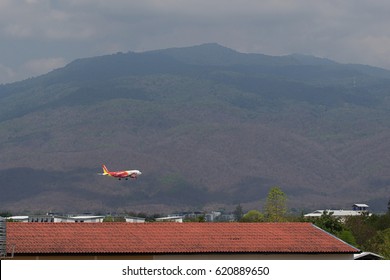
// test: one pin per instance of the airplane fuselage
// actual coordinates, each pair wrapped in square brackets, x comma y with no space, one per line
[124,174]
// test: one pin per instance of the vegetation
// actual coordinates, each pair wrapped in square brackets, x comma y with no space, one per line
[5,214]
[275,208]
[238,212]
[114,219]
[189,118]
[200,219]
[253,216]
[328,223]
[367,232]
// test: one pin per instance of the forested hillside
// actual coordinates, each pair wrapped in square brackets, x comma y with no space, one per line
[209,127]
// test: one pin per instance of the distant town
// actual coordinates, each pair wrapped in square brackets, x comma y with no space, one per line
[193,216]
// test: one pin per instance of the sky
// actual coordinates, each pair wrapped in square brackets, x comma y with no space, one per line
[37,36]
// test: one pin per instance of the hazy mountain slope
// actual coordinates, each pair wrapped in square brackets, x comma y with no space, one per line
[208,127]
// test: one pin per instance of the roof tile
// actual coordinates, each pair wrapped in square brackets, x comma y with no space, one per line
[173,238]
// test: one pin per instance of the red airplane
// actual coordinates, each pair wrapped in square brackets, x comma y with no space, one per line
[125,174]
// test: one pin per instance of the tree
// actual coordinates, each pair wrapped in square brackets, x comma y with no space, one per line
[329,223]
[335,226]
[5,214]
[114,219]
[388,207]
[275,208]
[361,228]
[198,219]
[238,213]
[252,216]
[347,236]
[380,243]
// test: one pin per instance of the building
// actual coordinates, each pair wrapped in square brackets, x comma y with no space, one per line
[184,241]
[176,219]
[357,210]
[23,219]
[134,220]
[360,207]
[3,244]
[50,218]
[190,215]
[219,216]
[81,219]
[368,256]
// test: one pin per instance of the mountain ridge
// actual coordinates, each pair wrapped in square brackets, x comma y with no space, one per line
[204,134]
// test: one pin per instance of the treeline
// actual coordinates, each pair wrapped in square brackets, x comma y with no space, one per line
[367,232]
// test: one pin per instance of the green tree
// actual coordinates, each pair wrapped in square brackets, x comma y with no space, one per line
[362,228]
[201,219]
[5,214]
[252,216]
[109,219]
[238,213]
[275,208]
[380,243]
[384,221]
[329,223]
[335,226]
[388,207]
[347,236]
[198,219]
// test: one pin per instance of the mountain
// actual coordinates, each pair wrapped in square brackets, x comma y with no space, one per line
[208,126]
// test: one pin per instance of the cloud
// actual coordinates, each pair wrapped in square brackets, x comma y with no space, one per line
[6,74]
[42,19]
[354,31]
[43,65]
[30,68]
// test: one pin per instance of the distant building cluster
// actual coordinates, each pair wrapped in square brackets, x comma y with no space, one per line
[213,216]
[53,218]
[357,210]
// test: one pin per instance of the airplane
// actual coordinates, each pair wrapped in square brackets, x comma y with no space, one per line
[124,174]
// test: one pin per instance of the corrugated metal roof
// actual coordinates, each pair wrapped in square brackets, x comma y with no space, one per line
[165,238]
[335,213]
[361,205]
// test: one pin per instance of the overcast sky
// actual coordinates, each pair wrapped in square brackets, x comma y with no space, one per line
[37,36]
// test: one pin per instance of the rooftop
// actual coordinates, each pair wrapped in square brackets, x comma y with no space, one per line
[336,213]
[162,238]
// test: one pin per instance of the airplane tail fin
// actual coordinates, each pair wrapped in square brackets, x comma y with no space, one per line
[105,170]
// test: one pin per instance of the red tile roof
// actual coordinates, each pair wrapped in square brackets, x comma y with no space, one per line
[157,238]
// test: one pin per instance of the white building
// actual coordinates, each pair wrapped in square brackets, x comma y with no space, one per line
[18,219]
[358,209]
[82,219]
[134,220]
[175,219]
[57,219]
